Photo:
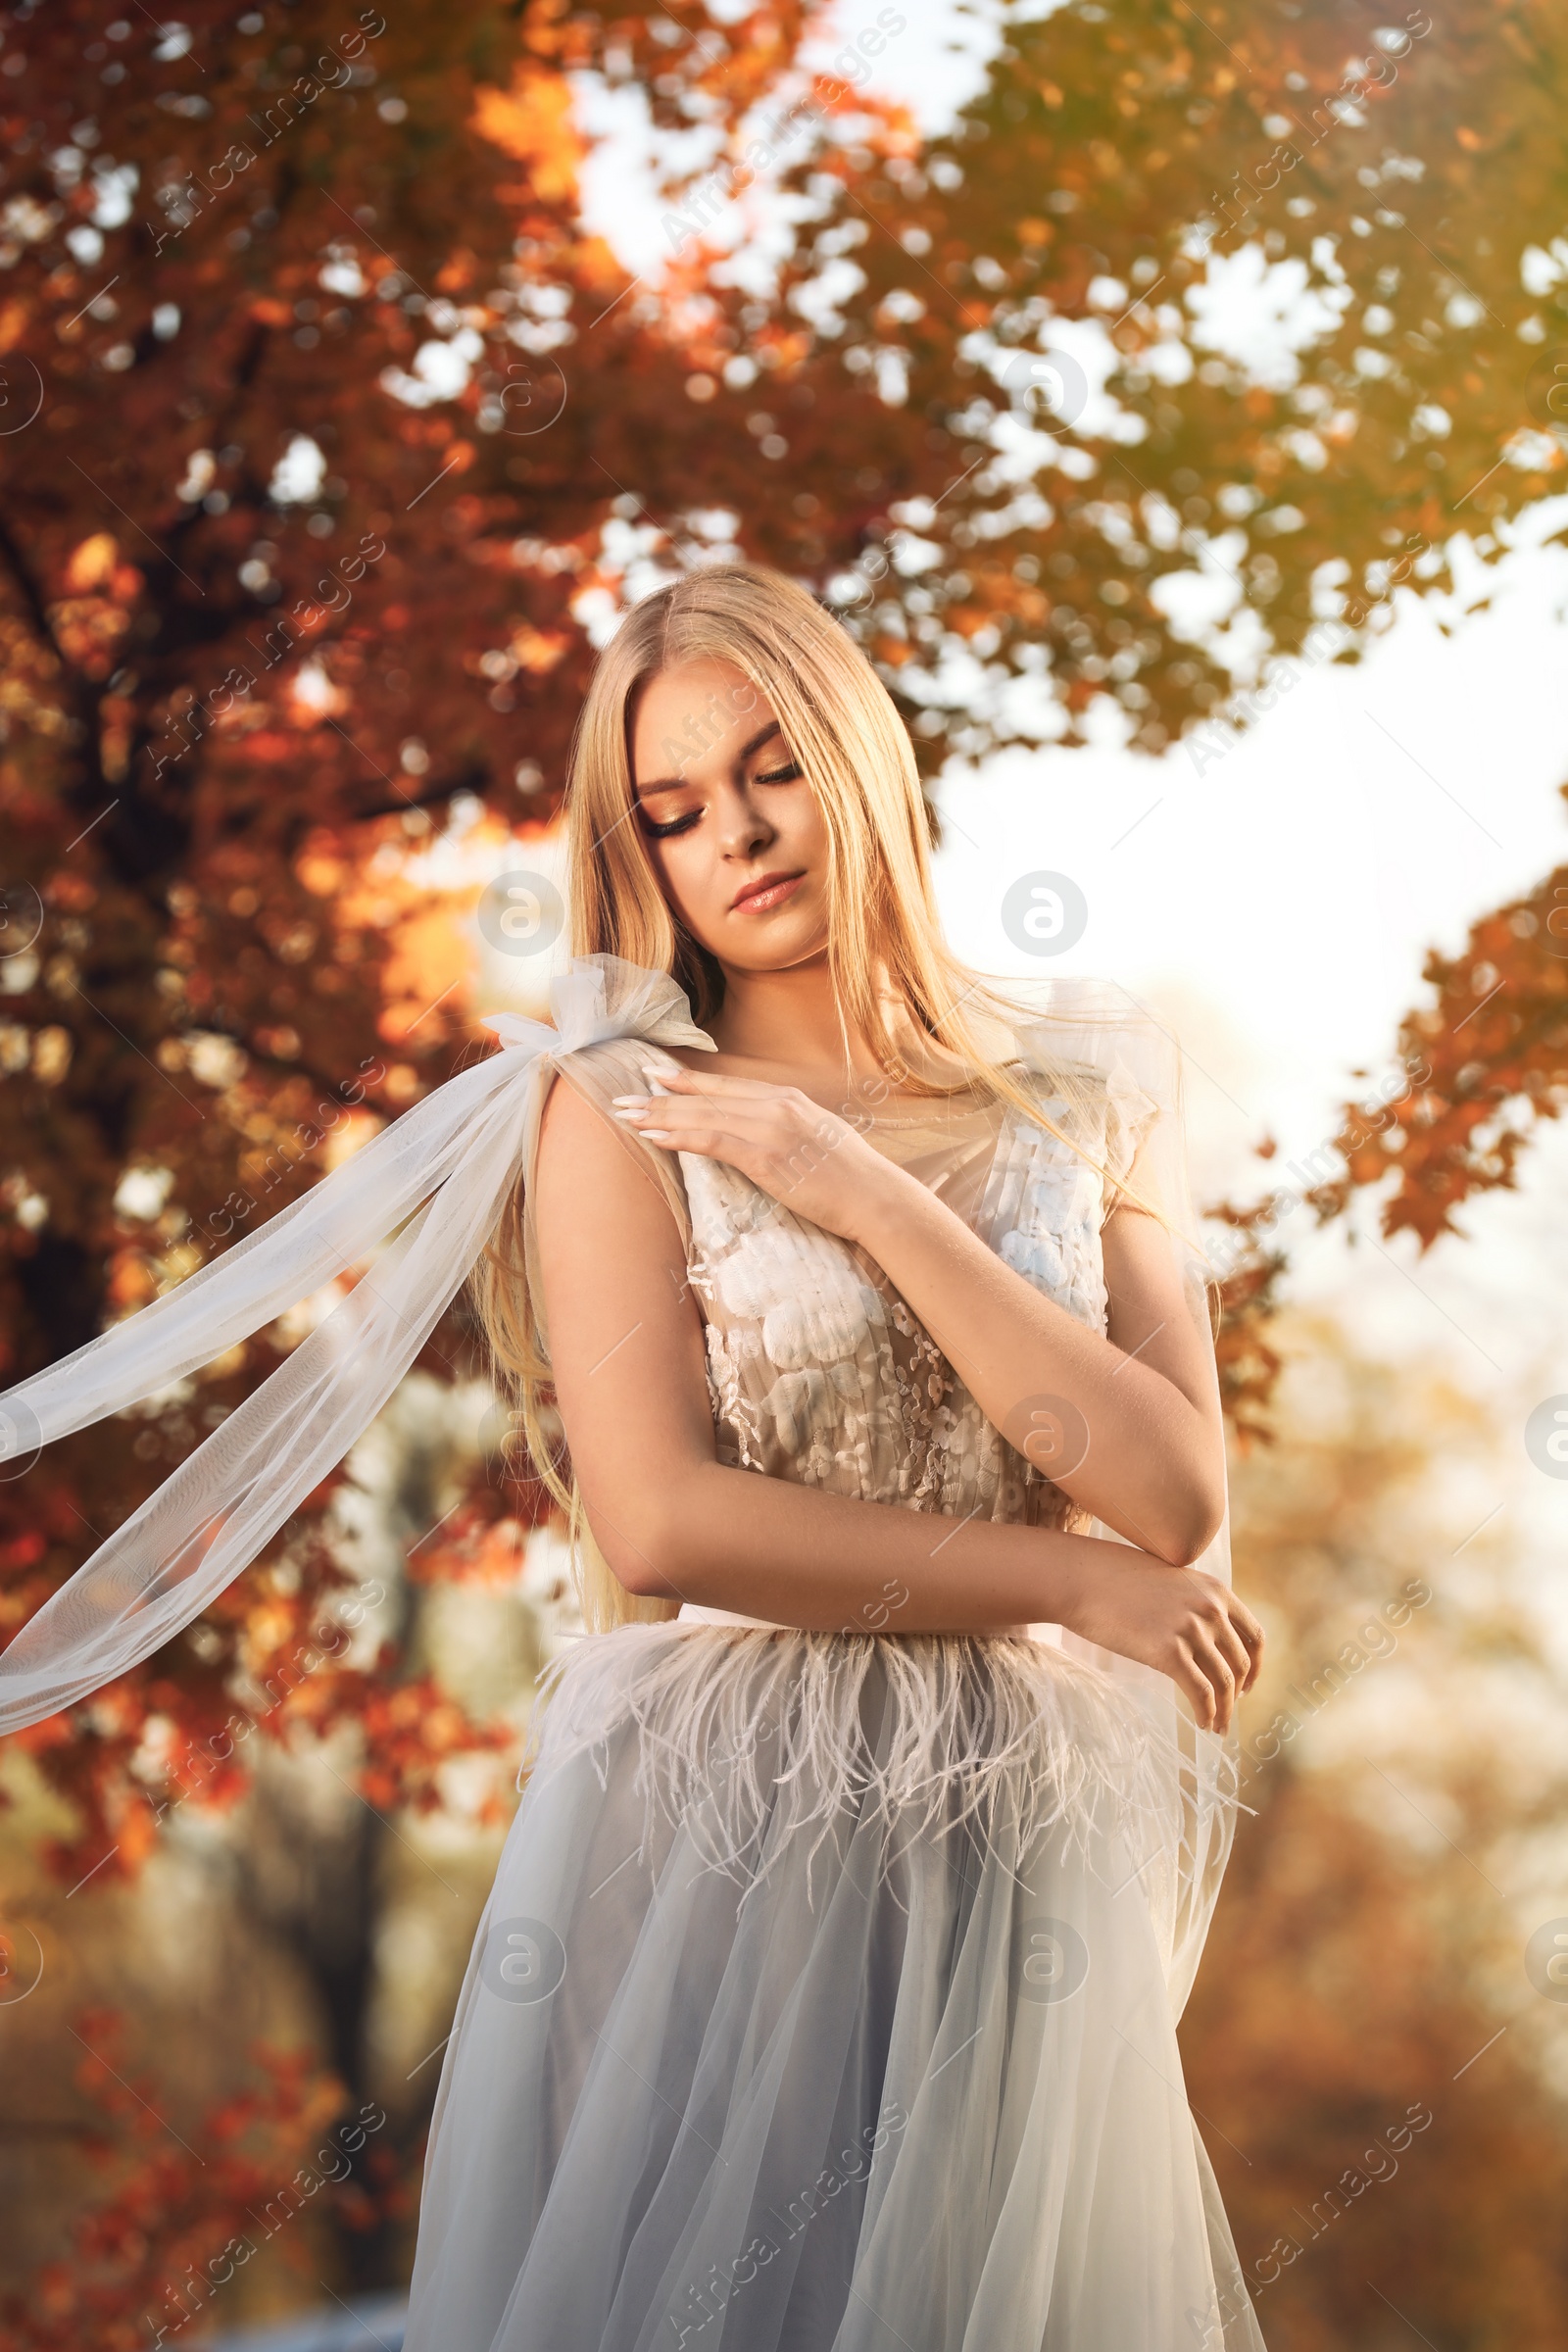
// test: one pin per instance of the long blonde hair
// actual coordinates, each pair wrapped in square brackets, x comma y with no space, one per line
[885,947]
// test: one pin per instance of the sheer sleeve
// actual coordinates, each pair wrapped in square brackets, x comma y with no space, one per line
[1132,1119]
[1122,1069]
[1119,1071]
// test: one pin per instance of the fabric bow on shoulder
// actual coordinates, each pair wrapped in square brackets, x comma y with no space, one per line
[431,1186]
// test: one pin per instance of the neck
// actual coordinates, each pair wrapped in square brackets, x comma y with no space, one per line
[789,1016]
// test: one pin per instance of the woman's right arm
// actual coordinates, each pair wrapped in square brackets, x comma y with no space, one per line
[627,1353]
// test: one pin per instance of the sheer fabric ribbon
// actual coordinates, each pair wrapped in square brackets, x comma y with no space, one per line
[430,1187]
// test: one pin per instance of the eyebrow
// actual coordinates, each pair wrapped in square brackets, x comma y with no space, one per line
[674,783]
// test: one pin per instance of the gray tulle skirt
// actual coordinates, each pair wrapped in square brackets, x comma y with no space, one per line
[825,2001]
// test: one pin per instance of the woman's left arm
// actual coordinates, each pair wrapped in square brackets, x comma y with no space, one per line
[1150,1433]
[1146,1453]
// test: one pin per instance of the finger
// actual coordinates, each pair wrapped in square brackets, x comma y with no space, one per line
[690,1111]
[713,1082]
[776,1162]
[704,1143]
[1226,1686]
[744,1095]
[1191,1678]
[1233,1651]
[1246,1624]
[1212,1662]
[1251,1634]
[1239,1617]
[690,1127]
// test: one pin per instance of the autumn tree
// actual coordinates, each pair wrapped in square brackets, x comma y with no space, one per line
[333,441]
[272,282]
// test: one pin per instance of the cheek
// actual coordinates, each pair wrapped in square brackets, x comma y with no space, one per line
[813,823]
[798,816]
[684,867]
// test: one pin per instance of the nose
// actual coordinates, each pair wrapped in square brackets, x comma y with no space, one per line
[744,827]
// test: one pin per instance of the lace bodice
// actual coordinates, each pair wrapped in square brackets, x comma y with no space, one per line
[817,1370]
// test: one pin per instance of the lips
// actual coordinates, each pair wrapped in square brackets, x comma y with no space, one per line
[767,891]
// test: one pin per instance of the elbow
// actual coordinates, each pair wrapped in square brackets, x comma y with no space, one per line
[631,1572]
[640,1549]
[634,1567]
[1184,1552]
[1192,1529]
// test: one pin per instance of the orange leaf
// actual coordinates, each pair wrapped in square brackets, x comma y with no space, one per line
[533,121]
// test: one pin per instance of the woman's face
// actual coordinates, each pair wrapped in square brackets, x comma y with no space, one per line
[734,830]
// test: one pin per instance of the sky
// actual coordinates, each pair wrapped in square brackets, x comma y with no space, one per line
[1275,906]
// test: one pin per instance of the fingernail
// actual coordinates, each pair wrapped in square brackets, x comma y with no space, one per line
[637,1098]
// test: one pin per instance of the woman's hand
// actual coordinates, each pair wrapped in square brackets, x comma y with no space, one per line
[1181,1621]
[813,1163]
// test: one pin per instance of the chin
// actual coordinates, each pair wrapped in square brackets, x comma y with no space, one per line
[775,948]
[766,942]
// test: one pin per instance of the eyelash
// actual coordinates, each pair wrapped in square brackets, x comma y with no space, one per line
[684,824]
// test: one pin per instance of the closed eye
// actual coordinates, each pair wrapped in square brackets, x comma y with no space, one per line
[788,774]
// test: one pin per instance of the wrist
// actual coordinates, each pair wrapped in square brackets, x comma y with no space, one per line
[1071,1584]
[889,1205]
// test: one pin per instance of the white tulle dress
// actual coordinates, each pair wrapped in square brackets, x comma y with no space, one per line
[827,1997]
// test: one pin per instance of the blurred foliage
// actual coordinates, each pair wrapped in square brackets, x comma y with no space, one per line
[149,2258]
[1477,1071]
[1403,1762]
[1130,185]
[1248,1303]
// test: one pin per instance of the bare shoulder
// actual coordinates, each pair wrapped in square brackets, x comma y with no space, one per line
[586,1162]
[572,1134]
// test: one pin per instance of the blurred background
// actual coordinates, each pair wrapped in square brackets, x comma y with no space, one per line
[1175,406]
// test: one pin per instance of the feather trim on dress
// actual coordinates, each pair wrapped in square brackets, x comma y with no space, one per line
[754,1736]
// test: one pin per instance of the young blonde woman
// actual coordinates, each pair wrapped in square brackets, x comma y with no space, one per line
[825,2000]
